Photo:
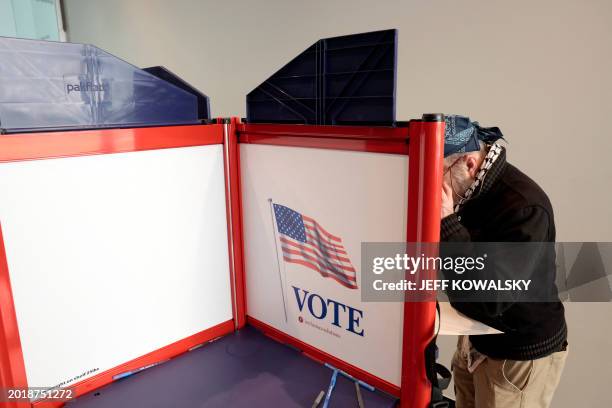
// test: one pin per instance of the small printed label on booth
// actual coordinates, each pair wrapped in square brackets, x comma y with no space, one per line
[75,378]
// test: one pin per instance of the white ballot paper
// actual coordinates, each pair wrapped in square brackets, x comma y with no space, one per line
[454,323]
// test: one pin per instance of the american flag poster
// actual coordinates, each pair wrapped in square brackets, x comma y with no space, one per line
[305,242]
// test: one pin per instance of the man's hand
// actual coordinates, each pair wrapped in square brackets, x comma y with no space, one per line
[446,208]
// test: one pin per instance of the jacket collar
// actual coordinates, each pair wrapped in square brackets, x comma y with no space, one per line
[494,174]
[491,177]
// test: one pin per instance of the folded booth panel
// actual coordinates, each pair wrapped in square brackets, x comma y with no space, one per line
[300,285]
[114,256]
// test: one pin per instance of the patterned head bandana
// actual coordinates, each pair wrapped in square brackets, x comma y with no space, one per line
[463,136]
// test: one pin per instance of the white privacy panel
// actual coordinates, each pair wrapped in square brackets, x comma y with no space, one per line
[114,256]
[356,196]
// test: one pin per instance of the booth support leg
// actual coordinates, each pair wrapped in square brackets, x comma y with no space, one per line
[424,196]
[234,210]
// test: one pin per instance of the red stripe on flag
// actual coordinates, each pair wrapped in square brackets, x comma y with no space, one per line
[324,274]
[326,252]
[333,252]
[316,233]
[318,226]
[323,262]
[314,250]
[338,249]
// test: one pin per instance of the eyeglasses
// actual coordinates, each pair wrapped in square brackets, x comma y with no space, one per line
[455,194]
[451,166]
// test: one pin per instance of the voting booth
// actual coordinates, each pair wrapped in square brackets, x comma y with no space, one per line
[135,229]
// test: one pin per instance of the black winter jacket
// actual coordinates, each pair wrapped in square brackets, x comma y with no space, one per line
[510,207]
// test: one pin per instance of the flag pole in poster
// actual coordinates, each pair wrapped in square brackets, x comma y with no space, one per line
[280,262]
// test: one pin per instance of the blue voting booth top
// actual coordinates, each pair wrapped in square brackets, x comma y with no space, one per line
[347,80]
[47,85]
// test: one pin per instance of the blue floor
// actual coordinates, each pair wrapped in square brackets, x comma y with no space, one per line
[245,369]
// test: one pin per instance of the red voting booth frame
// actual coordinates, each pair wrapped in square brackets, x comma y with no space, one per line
[421,140]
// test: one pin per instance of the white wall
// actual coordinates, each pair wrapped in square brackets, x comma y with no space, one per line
[538,69]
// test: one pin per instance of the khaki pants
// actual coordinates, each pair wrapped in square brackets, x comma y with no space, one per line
[507,383]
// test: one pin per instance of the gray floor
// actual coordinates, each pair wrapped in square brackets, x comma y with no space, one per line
[245,369]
